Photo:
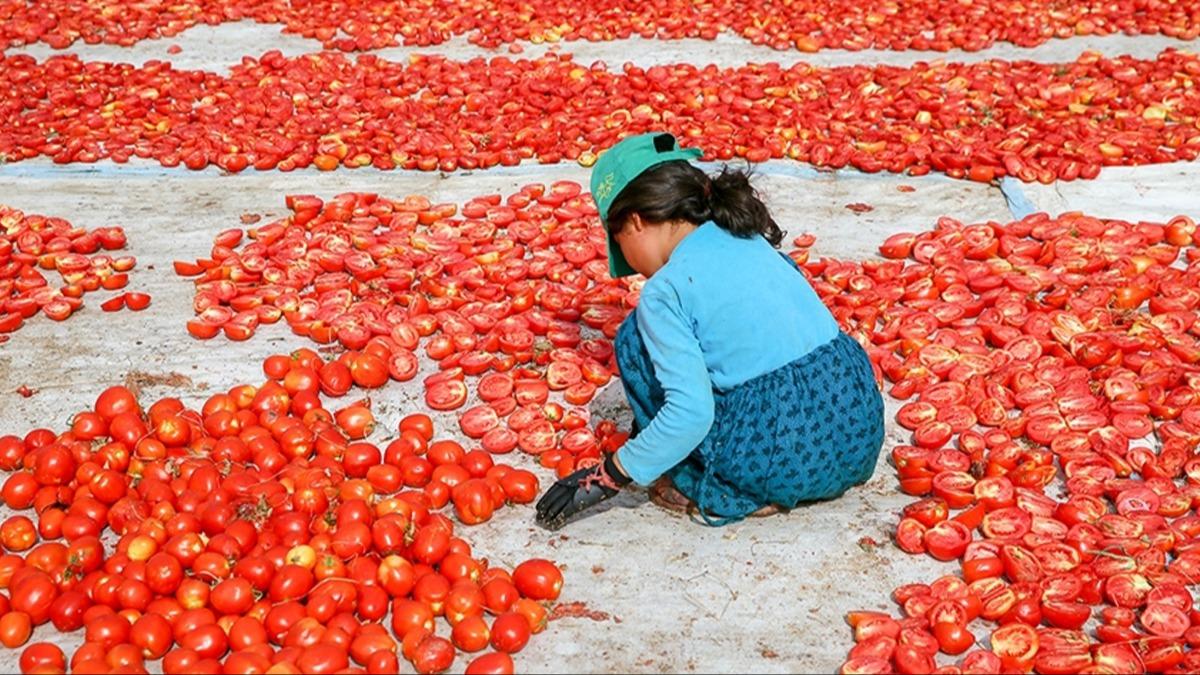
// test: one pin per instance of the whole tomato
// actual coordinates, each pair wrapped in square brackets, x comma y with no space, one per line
[472,501]
[510,633]
[34,594]
[433,655]
[15,629]
[494,663]
[538,579]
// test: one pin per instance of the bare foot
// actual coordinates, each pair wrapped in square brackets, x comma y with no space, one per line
[768,510]
[664,495]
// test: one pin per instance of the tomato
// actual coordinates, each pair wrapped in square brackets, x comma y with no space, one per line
[136,301]
[17,533]
[956,488]
[408,615]
[500,441]
[290,582]
[152,633]
[528,392]
[499,595]
[1164,620]
[357,421]
[433,655]
[563,375]
[910,536]
[232,596]
[1069,615]
[359,458]
[1016,644]
[1006,523]
[538,438]
[947,540]
[510,633]
[909,659]
[109,631]
[323,658]
[520,486]
[43,657]
[495,386]
[473,503]
[336,378]
[535,614]
[493,663]
[538,579]
[928,512]
[478,421]
[115,401]
[34,594]
[472,634]
[446,395]
[953,638]
[15,629]
[369,371]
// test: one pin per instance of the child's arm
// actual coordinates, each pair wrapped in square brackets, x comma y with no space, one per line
[678,427]
[687,415]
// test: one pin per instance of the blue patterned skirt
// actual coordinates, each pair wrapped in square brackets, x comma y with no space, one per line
[805,432]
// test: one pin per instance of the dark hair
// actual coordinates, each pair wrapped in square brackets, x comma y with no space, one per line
[676,190]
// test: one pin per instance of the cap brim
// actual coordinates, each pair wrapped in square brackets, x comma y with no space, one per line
[617,265]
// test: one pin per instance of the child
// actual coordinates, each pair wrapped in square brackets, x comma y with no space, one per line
[746,396]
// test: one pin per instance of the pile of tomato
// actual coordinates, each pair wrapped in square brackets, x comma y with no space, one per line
[509,296]
[783,24]
[31,243]
[260,533]
[1051,373]
[1036,122]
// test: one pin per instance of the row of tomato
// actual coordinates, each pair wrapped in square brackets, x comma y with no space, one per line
[808,26]
[509,297]
[259,533]
[1051,373]
[1035,122]
[31,243]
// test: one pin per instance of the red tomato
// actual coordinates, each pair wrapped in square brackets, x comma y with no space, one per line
[15,629]
[953,638]
[510,633]
[520,486]
[446,395]
[947,540]
[471,634]
[478,421]
[43,657]
[493,663]
[538,579]
[473,502]
[1016,644]
[418,423]
[433,655]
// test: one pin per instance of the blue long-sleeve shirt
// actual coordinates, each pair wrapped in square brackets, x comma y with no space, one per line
[722,311]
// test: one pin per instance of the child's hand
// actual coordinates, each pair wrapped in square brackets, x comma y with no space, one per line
[579,491]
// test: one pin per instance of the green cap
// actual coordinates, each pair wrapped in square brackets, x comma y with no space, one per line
[618,166]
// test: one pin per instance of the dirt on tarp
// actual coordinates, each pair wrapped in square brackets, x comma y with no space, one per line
[579,610]
[137,379]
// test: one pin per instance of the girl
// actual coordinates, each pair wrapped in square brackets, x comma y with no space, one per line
[746,396]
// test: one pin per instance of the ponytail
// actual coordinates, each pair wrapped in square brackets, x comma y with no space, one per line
[737,208]
[676,190]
